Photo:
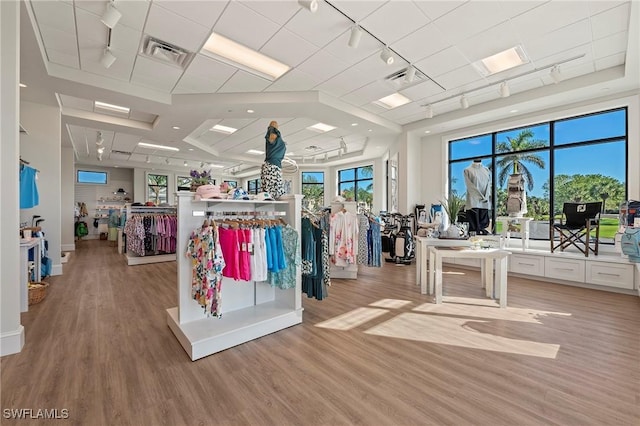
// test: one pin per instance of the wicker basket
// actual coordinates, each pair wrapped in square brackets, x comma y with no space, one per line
[37,292]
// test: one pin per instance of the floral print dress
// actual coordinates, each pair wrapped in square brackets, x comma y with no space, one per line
[207,263]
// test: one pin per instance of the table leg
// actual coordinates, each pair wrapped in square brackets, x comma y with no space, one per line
[501,280]
[432,272]
[525,234]
[438,276]
[419,263]
[487,276]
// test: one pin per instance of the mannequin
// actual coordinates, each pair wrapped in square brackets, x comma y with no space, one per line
[477,179]
[271,172]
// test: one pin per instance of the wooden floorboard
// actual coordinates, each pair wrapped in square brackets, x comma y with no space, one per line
[98,345]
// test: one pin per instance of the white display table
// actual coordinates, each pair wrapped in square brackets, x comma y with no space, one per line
[422,253]
[494,285]
[524,228]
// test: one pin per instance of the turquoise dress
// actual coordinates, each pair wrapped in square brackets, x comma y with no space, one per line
[286,277]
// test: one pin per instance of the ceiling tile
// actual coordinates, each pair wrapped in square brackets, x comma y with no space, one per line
[55,14]
[404,12]
[357,10]
[205,74]
[578,70]
[62,41]
[242,81]
[422,90]
[514,8]
[582,54]
[339,47]
[375,68]
[369,93]
[294,80]
[154,74]
[470,19]
[318,28]
[145,117]
[278,11]
[441,62]
[125,142]
[134,13]
[596,7]
[245,26]
[435,9]
[610,45]
[610,61]
[63,58]
[96,7]
[560,40]
[90,29]
[404,110]
[524,84]
[421,43]
[172,28]
[549,17]
[121,68]
[463,78]
[205,13]
[126,39]
[344,82]
[322,65]
[76,103]
[611,21]
[288,48]
[194,84]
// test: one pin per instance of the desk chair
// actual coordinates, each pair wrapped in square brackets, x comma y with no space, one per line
[576,224]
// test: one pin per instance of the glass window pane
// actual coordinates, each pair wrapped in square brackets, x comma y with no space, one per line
[365,172]
[85,176]
[456,176]
[591,127]
[347,190]
[184,183]
[344,175]
[313,177]
[477,146]
[365,191]
[523,138]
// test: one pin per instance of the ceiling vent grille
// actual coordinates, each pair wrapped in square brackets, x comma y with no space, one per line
[115,151]
[398,78]
[165,52]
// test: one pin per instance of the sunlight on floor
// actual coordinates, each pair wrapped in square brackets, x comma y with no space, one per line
[460,306]
[390,303]
[457,332]
[352,319]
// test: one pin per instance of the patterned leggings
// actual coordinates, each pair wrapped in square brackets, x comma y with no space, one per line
[271,177]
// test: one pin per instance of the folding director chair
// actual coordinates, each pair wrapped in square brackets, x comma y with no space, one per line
[575,226]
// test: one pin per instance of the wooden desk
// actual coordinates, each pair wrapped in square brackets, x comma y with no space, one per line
[493,284]
[422,253]
[524,229]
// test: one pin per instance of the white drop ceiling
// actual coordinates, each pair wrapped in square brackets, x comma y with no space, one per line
[595,43]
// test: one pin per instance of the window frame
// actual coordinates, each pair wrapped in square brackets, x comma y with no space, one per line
[105,173]
[356,180]
[148,187]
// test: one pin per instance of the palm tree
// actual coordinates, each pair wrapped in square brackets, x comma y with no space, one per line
[514,162]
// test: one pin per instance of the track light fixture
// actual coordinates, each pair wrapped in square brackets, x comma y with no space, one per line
[555,74]
[429,111]
[326,156]
[166,160]
[148,160]
[185,163]
[107,58]
[386,56]
[356,35]
[343,146]
[99,139]
[410,74]
[310,5]
[111,16]
[464,102]
[504,90]
[101,150]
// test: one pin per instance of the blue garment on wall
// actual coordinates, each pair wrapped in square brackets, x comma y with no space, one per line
[28,189]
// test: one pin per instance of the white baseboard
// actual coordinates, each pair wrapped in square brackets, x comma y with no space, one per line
[12,342]
[56,270]
[68,247]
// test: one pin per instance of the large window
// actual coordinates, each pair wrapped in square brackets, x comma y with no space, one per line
[576,159]
[357,184]
[254,186]
[157,188]
[96,178]
[313,189]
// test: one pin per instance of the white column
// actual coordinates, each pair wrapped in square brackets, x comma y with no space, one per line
[11,331]
[68,200]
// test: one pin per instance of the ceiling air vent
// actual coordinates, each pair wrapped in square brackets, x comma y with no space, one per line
[115,151]
[165,52]
[399,78]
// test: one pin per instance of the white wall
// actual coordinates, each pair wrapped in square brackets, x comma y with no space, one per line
[67,231]
[42,148]
[117,177]
[11,331]
[434,148]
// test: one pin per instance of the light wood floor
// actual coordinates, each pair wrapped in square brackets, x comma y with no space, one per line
[99,346]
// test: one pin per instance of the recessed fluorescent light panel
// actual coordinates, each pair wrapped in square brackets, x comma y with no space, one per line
[235,54]
[392,101]
[255,152]
[502,61]
[321,127]
[216,166]
[223,129]
[152,145]
[111,107]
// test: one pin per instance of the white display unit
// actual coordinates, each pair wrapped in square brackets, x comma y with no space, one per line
[249,309]
[133,259]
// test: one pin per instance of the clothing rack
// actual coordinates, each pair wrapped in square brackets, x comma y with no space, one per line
[252,214]
[133,259]
[25,162]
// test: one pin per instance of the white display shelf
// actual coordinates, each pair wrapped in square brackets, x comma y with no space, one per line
[144,260]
